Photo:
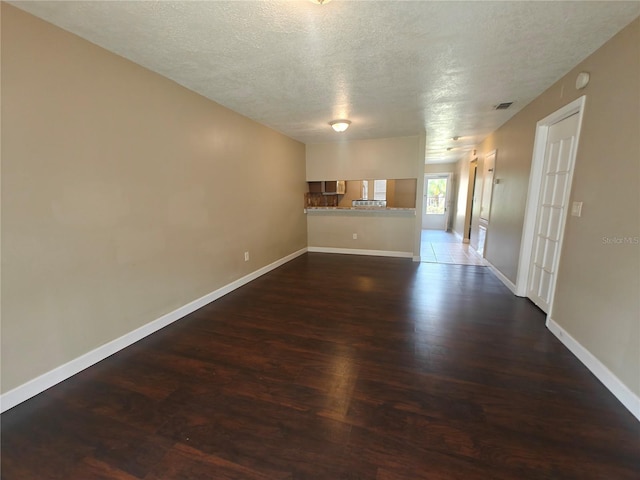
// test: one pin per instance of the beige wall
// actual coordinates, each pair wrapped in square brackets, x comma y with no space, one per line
[353,192]
[401,193]
[598,294]
[125,196]
[384,158]
[365,159]
[375,232]
[464,191]
[441,167]
[597,299]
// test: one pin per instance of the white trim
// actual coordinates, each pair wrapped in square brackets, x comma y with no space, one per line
[507,283]
[448,214]
[458,236]
[420,205]
[493,153]
[629,399]
[535,182]
[357,251]
[40,384]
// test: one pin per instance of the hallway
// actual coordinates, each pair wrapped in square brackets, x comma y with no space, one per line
[438,246]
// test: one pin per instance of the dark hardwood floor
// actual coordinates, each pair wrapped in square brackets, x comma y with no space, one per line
[335,367]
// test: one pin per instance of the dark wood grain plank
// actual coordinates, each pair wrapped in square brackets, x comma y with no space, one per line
[335,367]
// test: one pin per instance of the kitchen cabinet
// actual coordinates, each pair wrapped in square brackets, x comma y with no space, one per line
[328,187]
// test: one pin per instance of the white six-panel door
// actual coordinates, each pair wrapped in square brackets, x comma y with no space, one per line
[552,208]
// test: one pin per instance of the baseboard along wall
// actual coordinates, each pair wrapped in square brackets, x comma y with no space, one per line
[507,283]
[47,380]
[41,383]
[357,251]
[629,399]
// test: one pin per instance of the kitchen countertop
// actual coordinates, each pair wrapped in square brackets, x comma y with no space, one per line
[361,210]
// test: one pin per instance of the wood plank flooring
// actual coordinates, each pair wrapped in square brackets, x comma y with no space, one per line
[335,367]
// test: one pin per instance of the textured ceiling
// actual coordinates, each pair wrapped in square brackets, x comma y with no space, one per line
[393,68]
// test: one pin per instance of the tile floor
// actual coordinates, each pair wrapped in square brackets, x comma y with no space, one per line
[444,247]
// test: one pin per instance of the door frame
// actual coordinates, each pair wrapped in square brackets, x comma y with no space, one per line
[535,183]
[448,209]
[485,172]
[471,190]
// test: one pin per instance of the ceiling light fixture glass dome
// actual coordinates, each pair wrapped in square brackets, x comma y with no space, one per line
[340,125]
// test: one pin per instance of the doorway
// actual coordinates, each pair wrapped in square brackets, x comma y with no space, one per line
[437,194]
[554,155]
[471,191]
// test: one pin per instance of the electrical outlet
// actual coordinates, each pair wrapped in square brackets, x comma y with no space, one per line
[355,236]
[246,256]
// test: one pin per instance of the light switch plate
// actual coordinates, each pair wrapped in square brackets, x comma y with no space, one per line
[576,209]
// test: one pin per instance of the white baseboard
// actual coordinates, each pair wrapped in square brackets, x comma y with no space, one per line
[629,399]
[460,237]
[508,283]
[357,251]
[57,375]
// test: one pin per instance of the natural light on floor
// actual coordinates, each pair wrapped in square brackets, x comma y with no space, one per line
[438,246]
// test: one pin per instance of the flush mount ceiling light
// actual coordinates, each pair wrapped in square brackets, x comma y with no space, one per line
[320,2]
[340,125]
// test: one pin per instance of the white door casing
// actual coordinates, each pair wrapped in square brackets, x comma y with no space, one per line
[530,226]
[473,165]
[488,172]
[551,209]
[437,221]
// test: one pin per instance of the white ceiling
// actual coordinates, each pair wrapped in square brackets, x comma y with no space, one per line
[393,68]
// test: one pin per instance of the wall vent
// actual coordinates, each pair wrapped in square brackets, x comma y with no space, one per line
[503,106]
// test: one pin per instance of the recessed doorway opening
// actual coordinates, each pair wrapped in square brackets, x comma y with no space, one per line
[437,202]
